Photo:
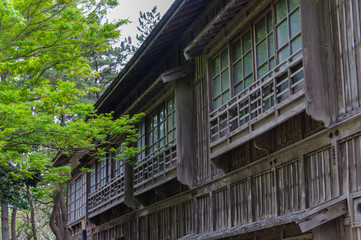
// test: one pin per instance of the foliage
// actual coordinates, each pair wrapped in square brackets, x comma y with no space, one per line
[43,47]
[147,21]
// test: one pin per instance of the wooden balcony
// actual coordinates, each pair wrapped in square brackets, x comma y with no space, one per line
[156,168]
[272,99]
[109,195]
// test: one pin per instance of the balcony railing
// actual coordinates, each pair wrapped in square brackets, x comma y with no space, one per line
[274,90]
[108,193]
[156,164]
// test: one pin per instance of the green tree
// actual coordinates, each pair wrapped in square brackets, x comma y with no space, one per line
[43,46]
[147,21]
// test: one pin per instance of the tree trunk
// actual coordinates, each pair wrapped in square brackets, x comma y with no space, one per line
[13,222]
[58,217]
[32,219]
[4,221]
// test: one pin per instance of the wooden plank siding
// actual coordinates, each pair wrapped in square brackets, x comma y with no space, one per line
[349,29]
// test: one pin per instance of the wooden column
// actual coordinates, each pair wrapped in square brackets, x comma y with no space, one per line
[318,56]
[184,123]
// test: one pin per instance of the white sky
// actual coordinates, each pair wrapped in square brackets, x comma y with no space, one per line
[130,9]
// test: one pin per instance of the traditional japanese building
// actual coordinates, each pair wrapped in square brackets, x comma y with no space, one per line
[252,127]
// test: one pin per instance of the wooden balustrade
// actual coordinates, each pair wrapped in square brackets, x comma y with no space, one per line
[155,164]
[277,88]
[108,193]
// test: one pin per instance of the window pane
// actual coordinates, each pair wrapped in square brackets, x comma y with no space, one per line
[295,23]
[226,97]
[236,50]
[262,70]
[248,81]
[281,10]
[260,29]
[292,4]
[269,22]
[217,102]
[296,44]
[248,65]
[215,66]
[262,52]
[282,34]
[237,72]
[216,86]
[224,59]
[238,88]
[283,54]
[247,42]
[225,80]
[270,45]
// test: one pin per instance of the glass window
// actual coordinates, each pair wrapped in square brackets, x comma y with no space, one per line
[273,40]
[242,63]
[102,172]
[118,164]
[76,198]
[221,79]
[159,129]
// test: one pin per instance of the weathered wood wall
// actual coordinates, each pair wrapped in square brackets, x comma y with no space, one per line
[331,35]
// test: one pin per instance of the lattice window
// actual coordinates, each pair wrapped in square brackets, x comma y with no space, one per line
[220,79]
[158,130]
[92,178]
[118,164]
[268,45]
[141,142]
[77,198]
[171,130]
[103,172]
[242,62]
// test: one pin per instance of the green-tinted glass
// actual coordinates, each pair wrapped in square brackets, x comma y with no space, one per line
[238,88]
[225,80]
[292,4]
[247,63]
[260,29]
[247,42]
[296,44]
[217,102]
[262,70]
[248,81]
[281,10]
[150,138]
[170,136]
[272,63]
[282,34]
[170,123]
[269,22]
[283,54]
[295,22]
[236,50]
[224,59]
[261,52]
[226,97]
[270,45]
[155,135]
[216,86]
[215,66]
[237,72]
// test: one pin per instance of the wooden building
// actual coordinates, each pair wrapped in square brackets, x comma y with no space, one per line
[252,128]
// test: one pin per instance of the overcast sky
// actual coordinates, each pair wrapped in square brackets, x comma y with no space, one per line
[130,9]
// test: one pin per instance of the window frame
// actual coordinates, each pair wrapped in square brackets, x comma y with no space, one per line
[273,60]
[76,202]
[165,132]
